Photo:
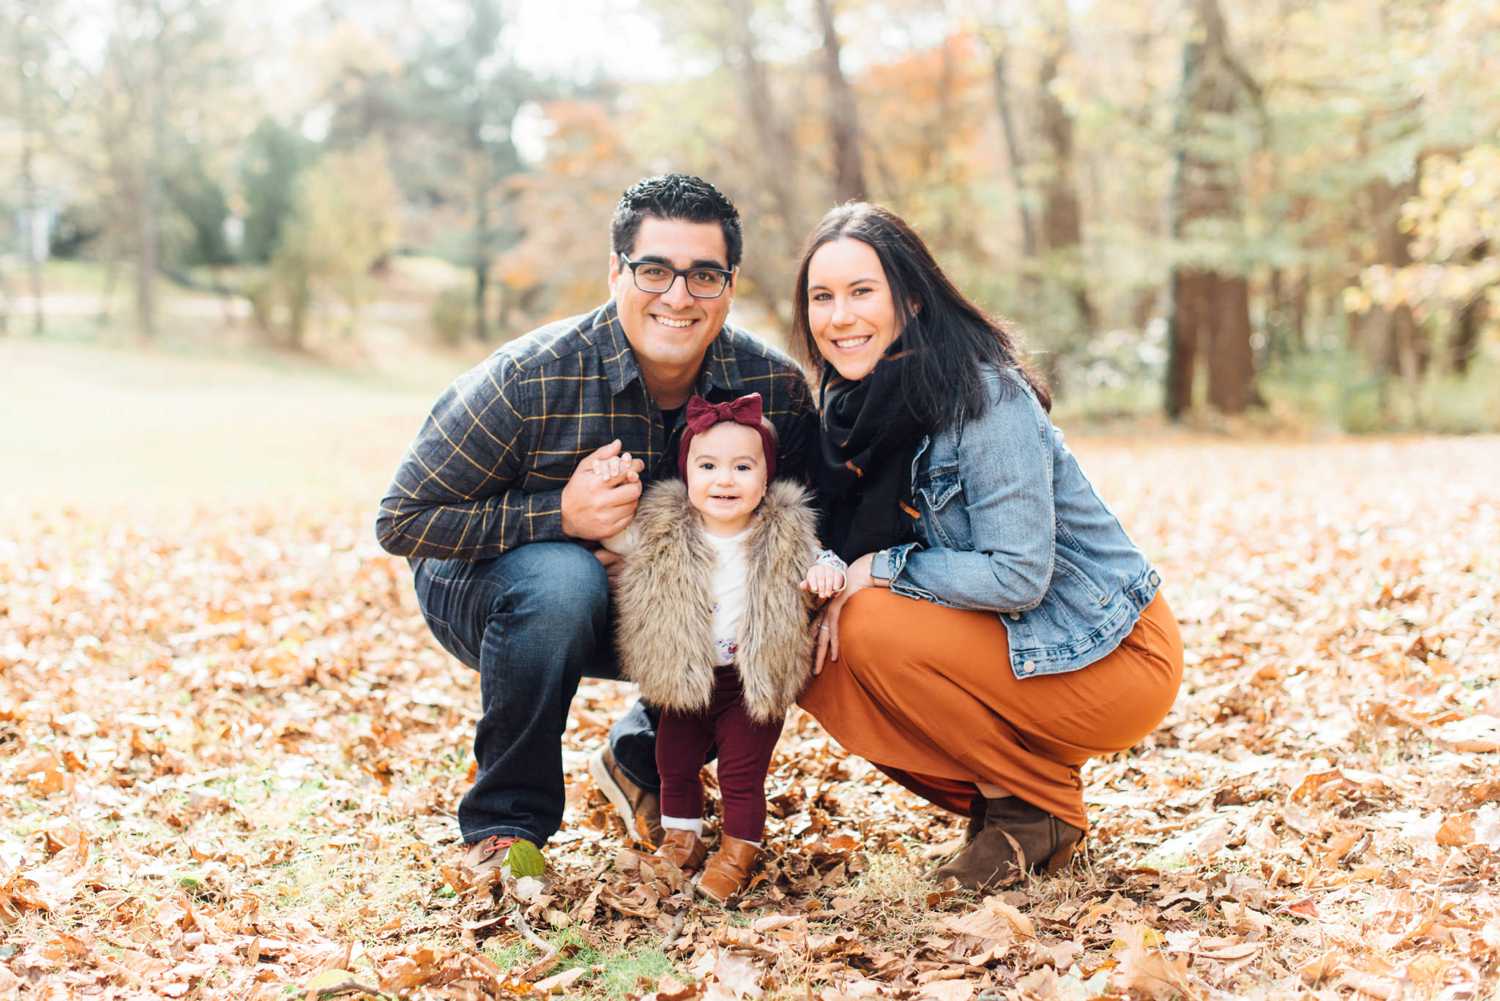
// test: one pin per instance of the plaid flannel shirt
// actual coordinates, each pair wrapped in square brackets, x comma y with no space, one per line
[487,469]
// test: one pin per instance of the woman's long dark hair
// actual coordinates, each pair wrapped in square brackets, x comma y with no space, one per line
[949,337]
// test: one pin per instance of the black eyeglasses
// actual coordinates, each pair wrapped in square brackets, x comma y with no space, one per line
[655,277]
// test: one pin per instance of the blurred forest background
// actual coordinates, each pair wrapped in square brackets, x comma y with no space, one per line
[1288,209]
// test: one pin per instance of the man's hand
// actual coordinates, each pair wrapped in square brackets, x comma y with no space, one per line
[595,506]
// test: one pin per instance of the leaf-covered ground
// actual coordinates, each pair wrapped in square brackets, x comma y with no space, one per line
[229,752]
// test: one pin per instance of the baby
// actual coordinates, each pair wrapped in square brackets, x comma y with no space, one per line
[713,628]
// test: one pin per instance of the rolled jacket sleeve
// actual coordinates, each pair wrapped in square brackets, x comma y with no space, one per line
[455,494]
[1005,466]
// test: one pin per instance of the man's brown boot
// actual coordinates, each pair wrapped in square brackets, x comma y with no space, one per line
[638,807]
[517,856]
[1015,836]
[684,849]
[728,869]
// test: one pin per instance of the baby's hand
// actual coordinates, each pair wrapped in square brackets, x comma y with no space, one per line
[620,469]
[823,581]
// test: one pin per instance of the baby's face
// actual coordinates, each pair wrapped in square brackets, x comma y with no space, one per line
[726,476]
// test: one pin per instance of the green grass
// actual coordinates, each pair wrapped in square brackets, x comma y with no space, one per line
[613,974]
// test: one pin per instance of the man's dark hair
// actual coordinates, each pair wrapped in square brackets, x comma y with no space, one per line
[675,196]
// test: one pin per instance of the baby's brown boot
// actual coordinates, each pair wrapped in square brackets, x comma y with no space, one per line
[684,849]
[728,869]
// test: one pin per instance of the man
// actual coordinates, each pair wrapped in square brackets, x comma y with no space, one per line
[498,508]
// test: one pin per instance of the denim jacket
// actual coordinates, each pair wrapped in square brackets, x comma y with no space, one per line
[1009,524]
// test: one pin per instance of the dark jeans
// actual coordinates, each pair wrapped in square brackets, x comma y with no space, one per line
[532,623]
[684,740]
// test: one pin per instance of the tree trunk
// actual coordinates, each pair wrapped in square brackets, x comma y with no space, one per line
[1229,356]
[772,138]
[999,73]
[30,209]
[1209,312]
[843,115]
[149,179]
[1390,338]
[145,271]
[1189,295]
[1062,219]
[483,238]
[1466,328]
[774,164]
[1469,321]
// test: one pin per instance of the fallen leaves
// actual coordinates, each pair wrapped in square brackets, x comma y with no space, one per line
[229,752]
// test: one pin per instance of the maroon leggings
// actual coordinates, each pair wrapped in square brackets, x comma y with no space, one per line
[683,741]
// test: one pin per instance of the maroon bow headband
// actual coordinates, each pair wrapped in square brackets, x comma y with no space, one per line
[702,415]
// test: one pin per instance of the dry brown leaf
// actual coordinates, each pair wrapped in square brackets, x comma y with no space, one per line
[738,975]
[771,922]
[670,989]
[1230,952]
[1212,837]
[1376,987]
[1041,984]
[993,919]
[1457,830]
[1143,969]
[851,990]
[1321,968]
[559,982]
[1475,735]
[947,990]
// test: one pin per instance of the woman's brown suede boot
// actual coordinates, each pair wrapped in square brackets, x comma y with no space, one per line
[684,849]
[1015,836]
[728,869]
[976,818]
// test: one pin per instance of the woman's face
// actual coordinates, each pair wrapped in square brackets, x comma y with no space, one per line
[849,306]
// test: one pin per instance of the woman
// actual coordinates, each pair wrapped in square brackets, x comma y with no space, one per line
[998,628]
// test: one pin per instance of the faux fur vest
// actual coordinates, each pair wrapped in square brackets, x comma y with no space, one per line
[664,608]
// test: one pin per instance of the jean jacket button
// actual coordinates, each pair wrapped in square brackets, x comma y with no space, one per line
[1015,616]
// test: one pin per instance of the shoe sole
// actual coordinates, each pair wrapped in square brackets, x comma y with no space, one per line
[616,797]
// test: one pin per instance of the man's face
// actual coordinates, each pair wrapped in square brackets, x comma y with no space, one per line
[670,331]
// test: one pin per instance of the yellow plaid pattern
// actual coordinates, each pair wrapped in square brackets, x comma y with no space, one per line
[486,471]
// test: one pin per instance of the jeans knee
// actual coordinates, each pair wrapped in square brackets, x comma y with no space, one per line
[560,580]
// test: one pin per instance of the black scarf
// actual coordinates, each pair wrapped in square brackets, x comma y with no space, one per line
[866,449]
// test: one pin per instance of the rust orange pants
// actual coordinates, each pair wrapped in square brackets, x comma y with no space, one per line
[926,693]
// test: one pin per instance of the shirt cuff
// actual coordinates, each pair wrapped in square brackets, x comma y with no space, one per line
[888,563]
[829,558]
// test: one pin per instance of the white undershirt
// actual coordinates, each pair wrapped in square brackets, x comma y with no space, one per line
[728,591]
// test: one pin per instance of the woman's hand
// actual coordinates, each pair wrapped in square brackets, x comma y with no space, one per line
[856,579]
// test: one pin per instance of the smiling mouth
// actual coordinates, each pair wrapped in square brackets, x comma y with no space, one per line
[850,343]
[675,324]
